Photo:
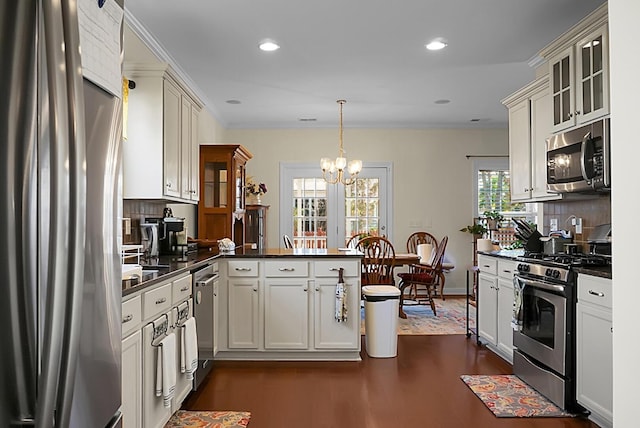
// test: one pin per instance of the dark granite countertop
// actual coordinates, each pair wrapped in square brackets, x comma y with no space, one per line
[601,271]
[167,267]
[504,254]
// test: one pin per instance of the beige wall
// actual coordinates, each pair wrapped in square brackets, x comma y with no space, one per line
[431,175]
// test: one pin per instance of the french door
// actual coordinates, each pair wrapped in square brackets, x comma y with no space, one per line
[316,214]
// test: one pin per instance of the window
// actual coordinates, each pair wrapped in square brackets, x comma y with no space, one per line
[493,193]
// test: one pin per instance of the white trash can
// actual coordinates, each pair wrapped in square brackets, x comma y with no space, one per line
[381,304]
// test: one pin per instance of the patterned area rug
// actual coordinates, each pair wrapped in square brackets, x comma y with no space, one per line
[420,319]
[509,397]
[196,419]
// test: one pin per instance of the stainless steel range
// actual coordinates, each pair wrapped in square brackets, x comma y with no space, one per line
[544,335]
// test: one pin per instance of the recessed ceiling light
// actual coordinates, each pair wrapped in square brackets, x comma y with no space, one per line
[269,46]
[232,101]
[442,101]
[436,45]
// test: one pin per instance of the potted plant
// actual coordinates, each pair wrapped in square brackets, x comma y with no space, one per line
[477,230]
[493,219]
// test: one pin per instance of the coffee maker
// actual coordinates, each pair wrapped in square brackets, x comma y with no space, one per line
[168,227]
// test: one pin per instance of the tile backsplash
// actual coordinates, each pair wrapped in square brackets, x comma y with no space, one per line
[137,210]
[593,212]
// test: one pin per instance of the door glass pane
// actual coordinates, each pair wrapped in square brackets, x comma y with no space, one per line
[556,109]
[556,77]
[539,319]
[598,96]
[565,72]
[586,96]
[309,213]
[215,184]
[586,60]
[566,105]
[597,54]
[362,209]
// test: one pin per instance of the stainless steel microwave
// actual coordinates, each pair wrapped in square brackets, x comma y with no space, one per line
[580,160]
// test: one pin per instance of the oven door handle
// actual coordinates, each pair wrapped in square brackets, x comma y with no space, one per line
[542,284]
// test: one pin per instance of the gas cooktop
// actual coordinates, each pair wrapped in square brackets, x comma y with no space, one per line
[566,260]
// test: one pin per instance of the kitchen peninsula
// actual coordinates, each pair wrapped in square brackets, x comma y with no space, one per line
[274,304]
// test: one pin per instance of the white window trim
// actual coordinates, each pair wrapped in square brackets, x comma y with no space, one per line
[493,163]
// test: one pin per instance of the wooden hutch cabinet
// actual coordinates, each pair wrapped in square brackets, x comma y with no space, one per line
[221,209]
[256,225]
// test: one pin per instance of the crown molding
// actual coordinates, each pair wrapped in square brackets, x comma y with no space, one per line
[173,68]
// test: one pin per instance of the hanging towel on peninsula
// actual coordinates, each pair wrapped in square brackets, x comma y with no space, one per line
[166,369]
[189,344]
[341,302]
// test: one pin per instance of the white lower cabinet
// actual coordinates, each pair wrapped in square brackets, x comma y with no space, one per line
[282,307]
[330,334]
[132,380]
[495,304]
[243,316]
[286,314]
[140,405]
[595,348]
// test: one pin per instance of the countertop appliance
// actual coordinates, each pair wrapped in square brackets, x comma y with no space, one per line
[545,354]
[61,131]
[204,310]
[168,228]
[580,160]
[600,240]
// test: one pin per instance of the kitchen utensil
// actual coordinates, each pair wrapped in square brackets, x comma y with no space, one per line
[554,244]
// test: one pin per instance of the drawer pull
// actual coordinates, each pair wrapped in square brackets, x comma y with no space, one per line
[183,289]
[127,318]
[287,269]
[487,266]
[243,269]
[596,293]
[161,300]
[506,271]
[335,269]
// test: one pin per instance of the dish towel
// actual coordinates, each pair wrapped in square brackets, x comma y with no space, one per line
[166,369]
[518,288]
[341,302]
[189,348]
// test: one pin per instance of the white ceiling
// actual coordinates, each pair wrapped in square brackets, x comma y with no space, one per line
[369,52]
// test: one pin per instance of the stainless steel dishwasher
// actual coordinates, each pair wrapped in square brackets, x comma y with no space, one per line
[205,284]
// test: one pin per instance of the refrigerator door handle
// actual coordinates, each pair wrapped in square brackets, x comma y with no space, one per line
[66,192]
[77,209]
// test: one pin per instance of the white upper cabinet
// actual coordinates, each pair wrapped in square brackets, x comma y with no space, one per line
[578,71]
[529,128]
[161,154]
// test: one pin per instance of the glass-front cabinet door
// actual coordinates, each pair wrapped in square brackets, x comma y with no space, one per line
[562,88]
[215,184]
[592,76]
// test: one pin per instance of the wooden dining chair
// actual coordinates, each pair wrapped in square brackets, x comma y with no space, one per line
[287,241]
[424,278]
[418,238]
[378,261]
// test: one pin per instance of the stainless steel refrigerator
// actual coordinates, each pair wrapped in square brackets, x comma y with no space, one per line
[60,139]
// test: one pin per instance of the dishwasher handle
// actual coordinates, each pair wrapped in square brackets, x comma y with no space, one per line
[206,281]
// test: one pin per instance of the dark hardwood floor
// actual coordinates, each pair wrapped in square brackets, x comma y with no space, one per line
[419,388]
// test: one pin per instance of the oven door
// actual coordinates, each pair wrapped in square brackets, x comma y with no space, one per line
[542,335]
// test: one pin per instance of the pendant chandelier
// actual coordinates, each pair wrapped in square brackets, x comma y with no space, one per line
[333,171]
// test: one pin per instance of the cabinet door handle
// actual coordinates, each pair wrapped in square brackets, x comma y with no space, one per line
[168,185]
[286,269]
[577,112]
[317,288]
[243,269]
[255,288]
[596,293]
[127,318]
[305,288]
[161,300]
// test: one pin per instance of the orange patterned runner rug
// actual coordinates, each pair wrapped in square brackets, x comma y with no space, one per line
[509,397]
[202,419]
